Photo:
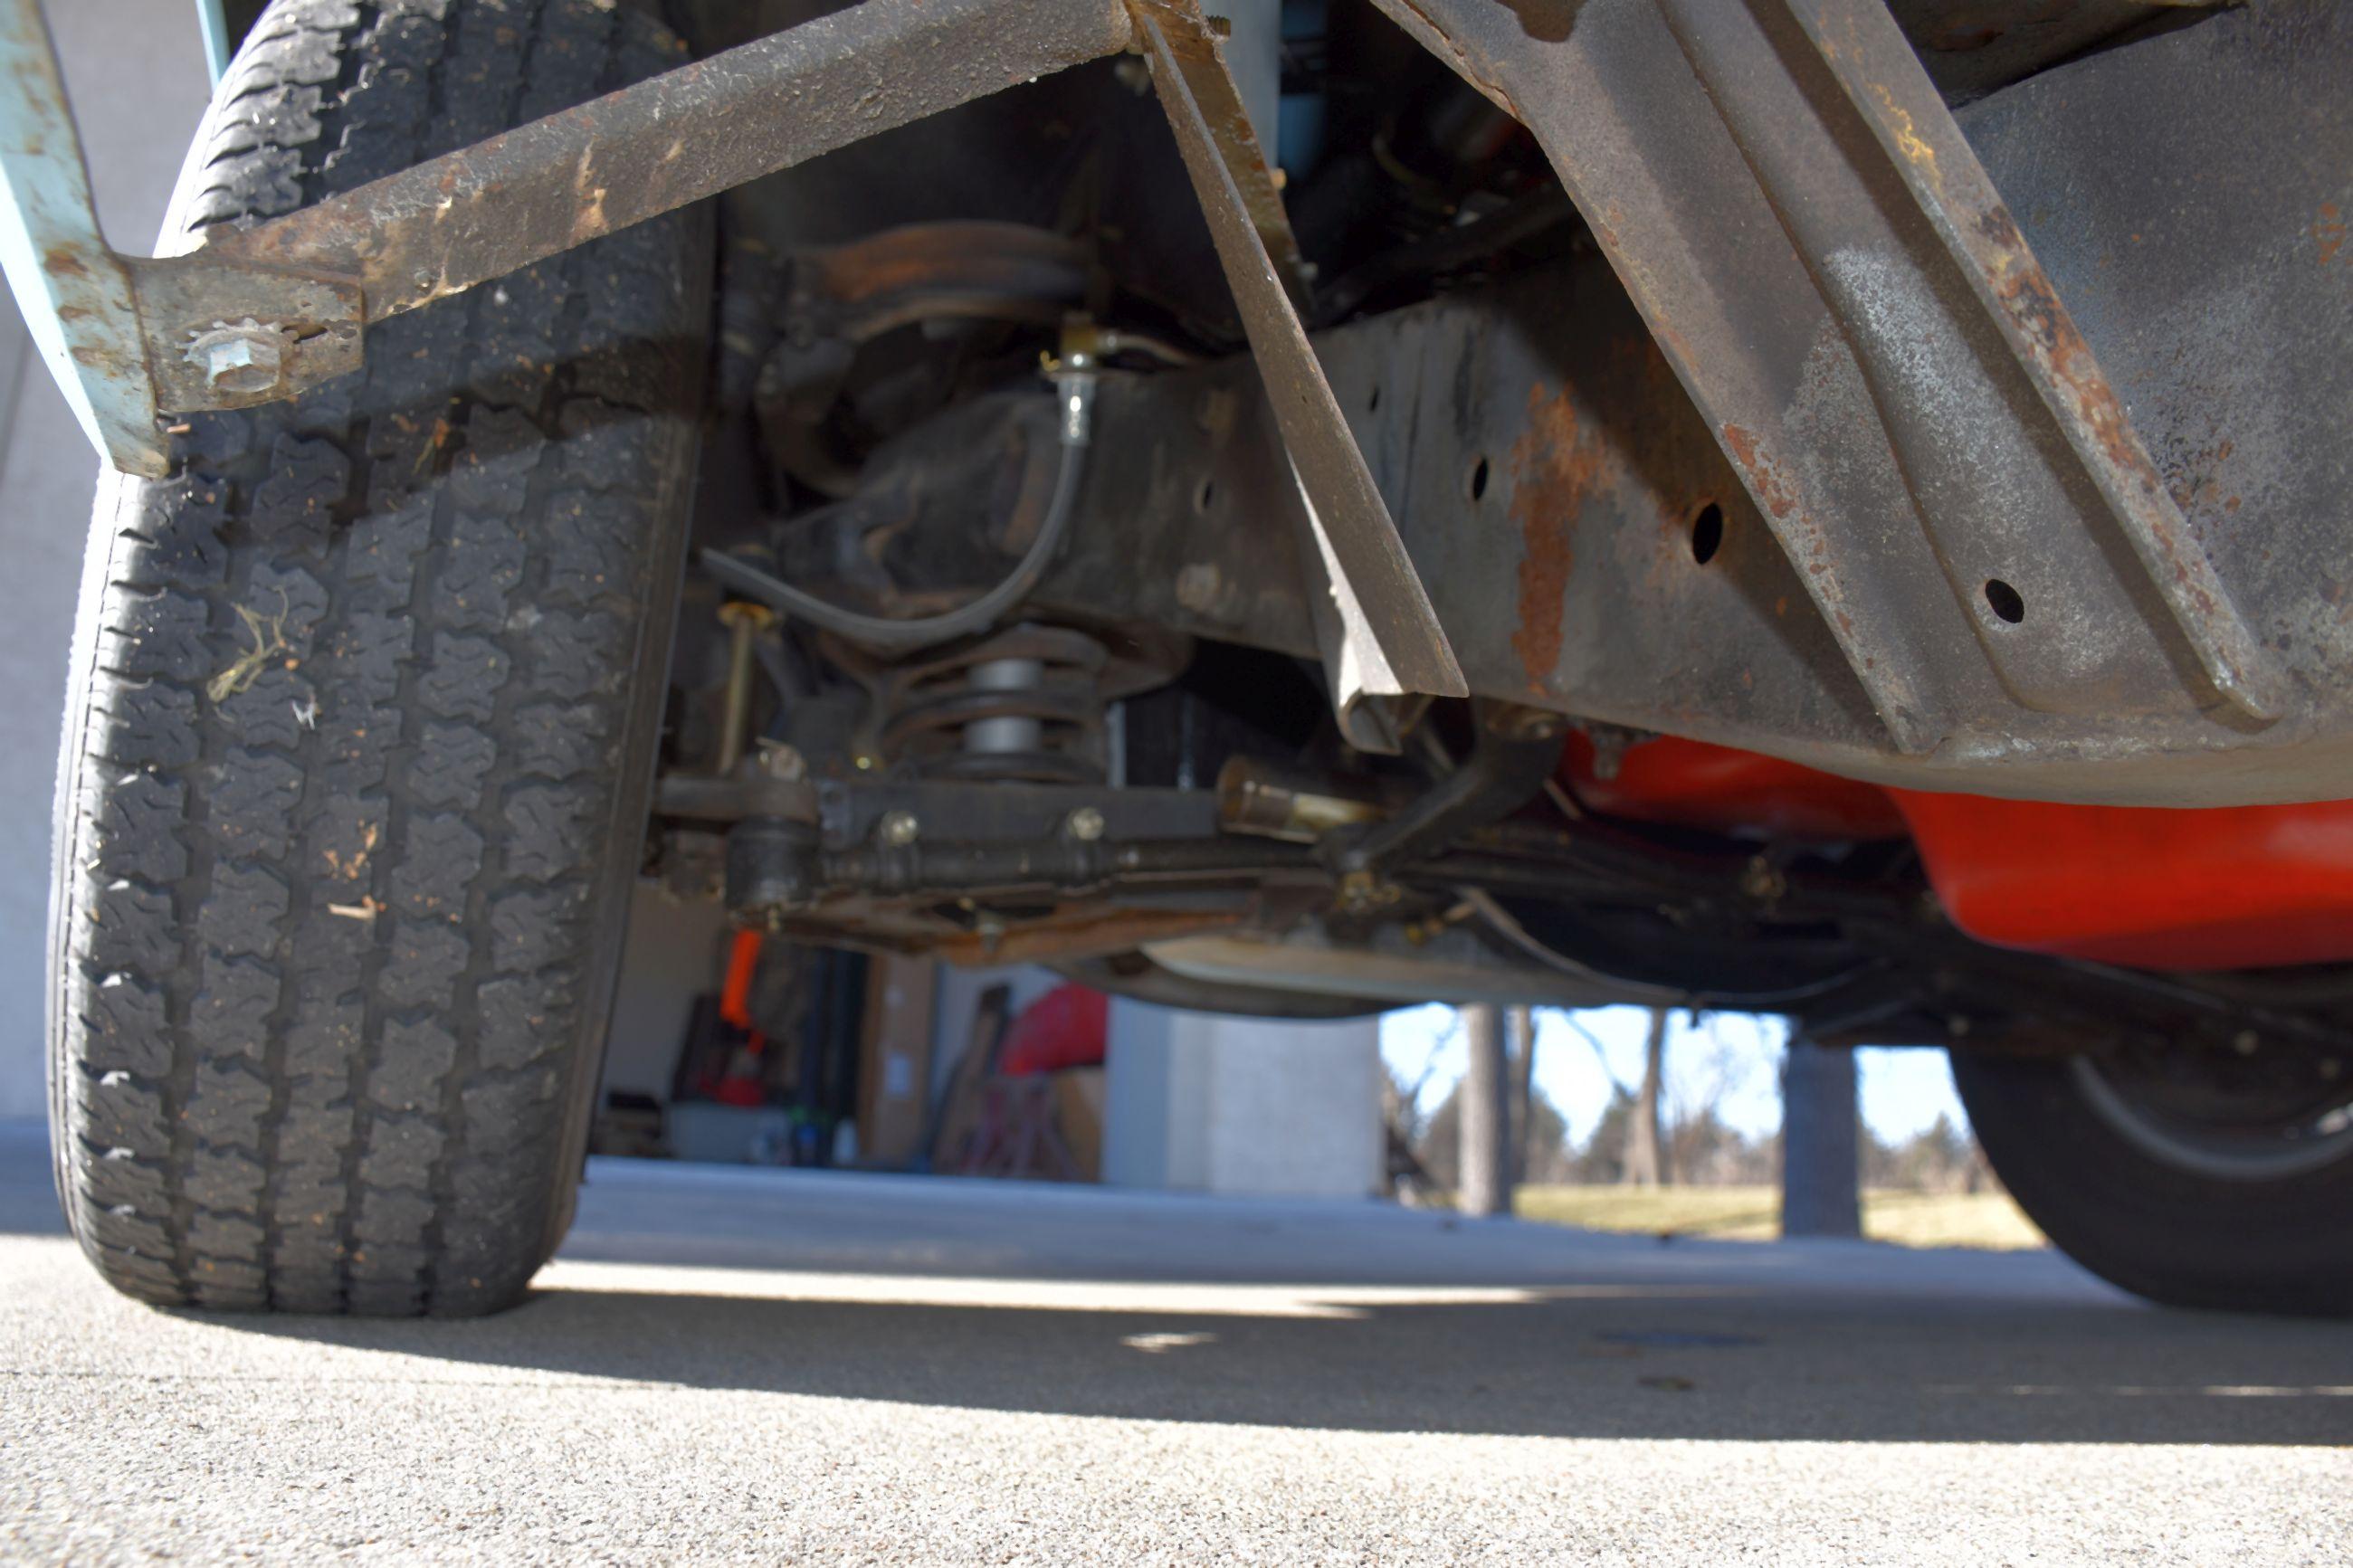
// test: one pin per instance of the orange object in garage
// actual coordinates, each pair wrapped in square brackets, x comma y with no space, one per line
[742,966]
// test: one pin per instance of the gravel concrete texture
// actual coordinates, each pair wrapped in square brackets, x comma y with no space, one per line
[773,1366]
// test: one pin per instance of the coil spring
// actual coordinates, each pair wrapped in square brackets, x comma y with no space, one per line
[1026,704]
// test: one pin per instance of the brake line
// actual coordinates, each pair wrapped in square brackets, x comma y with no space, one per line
[1074,389]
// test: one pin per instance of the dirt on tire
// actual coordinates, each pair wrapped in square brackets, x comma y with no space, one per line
[360,730]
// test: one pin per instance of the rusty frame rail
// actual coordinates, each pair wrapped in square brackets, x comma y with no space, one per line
[1549,466]
[1834,278]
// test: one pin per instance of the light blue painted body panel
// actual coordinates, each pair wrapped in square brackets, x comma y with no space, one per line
[75,292]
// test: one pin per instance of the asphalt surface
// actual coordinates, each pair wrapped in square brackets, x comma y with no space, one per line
[775,1366]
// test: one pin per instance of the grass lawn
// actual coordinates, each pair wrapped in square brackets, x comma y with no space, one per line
[1754,1214]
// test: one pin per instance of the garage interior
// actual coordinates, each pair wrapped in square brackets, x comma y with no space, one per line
[729,1049]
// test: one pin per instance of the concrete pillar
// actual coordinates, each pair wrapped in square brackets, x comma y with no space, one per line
[1820,1145]
[1520,1053]
[1484,1106]
[1269,1107]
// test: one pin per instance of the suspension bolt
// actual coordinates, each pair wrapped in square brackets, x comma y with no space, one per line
[899,828]
[241,360]
[782,762]
[1085,825]
[2244,1042]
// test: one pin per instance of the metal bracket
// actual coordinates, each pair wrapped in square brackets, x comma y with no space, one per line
[1884,80]
[1384,649]
[1833,276]
[271,310]
[75,293]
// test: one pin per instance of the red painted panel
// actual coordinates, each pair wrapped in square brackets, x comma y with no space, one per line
[1691,784]
[2230,888]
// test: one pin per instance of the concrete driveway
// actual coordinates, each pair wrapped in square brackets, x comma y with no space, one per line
[772,1366]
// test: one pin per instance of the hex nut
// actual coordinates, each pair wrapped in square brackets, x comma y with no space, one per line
[898,829]
[242,359]
[1086,824]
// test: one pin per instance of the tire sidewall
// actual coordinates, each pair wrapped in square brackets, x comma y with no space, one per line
[2174,1235]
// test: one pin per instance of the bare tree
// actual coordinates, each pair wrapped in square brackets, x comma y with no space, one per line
[1406,1127]
[1642,1139]
[1696,1141]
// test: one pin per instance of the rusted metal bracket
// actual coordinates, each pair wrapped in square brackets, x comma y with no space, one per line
[1384,651]
[251,315]
[74,293]
[1837,284]
[1882,78]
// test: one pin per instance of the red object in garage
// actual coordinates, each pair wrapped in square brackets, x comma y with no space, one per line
[2225,888]
[1691,784]
[1066,1027]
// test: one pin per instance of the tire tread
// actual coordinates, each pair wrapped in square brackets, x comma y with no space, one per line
[336,910]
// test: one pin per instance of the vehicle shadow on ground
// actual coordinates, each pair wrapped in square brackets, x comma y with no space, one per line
[1072,1304]
[1588,1360]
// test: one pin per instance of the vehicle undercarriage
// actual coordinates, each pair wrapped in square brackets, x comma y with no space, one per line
[1818,507]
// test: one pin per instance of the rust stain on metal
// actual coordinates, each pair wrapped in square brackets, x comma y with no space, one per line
[2031,302]
[2096,422]
[1998,228]
[1915,147]
[64,263]
[1556,465]
[2200,486]
[1765,480]
[2327,232]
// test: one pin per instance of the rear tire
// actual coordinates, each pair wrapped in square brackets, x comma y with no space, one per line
[362,718]
[2236,1222]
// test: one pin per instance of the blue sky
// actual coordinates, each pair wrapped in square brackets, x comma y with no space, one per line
[1737,1053]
